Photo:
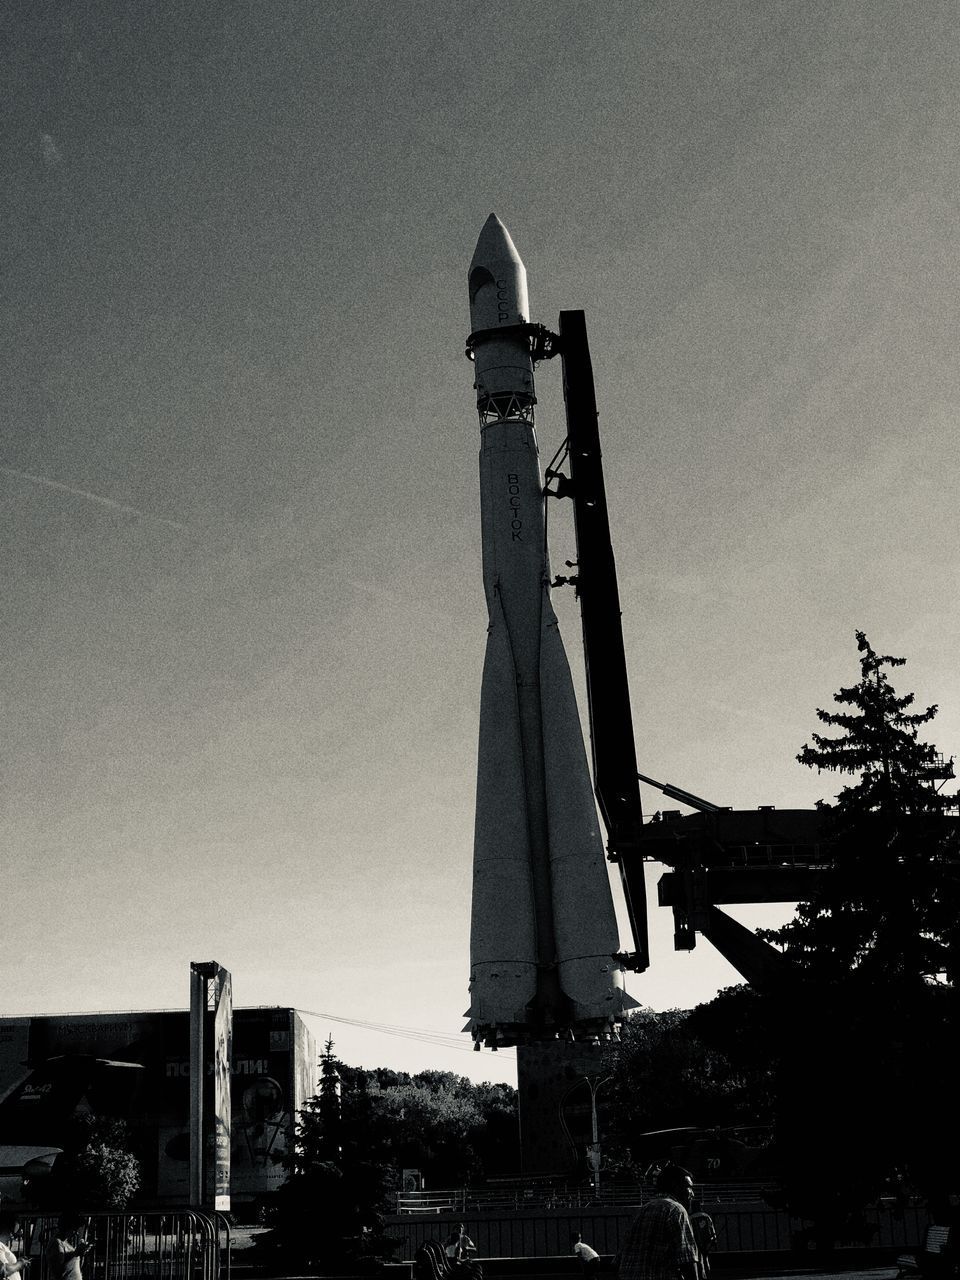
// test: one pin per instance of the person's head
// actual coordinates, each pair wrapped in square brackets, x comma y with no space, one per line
[69,1224]
[676,1182]
[575,1238]
[9,1226]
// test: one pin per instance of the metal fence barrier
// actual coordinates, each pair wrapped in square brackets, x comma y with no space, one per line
[180,1245]
[541,1232]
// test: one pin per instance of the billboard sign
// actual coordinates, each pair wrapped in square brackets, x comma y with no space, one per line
[222,1062]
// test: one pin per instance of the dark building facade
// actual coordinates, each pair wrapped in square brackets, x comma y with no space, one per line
[274,1071]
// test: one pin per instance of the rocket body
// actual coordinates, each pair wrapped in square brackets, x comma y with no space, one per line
[543,931]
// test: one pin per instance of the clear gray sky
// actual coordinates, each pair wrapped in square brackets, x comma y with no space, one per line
[242,619]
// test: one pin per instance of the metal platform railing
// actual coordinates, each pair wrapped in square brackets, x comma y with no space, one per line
[533,1196]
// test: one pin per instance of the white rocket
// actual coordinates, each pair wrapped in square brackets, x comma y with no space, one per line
[543,934]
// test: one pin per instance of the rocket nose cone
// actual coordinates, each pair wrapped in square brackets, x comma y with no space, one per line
[496,280]
[494,226]
[495,247]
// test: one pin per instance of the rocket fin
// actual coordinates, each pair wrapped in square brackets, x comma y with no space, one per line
[584,919]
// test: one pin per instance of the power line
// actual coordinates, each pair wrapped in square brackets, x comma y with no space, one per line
[422,1035]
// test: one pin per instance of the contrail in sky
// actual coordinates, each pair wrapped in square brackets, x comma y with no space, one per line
[92,497]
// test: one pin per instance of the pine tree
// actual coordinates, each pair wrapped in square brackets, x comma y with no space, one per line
[881,743]
[328,1105]
[865,1081]
[888,907]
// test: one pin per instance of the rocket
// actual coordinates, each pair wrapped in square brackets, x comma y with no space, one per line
[543,930]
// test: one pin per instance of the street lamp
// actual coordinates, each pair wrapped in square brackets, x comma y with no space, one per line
[594,1153]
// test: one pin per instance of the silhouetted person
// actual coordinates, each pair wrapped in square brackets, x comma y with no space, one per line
[65,1250]
[458,1248]
[660,1243]
[589,1258]
[705,1234]
[10,1264]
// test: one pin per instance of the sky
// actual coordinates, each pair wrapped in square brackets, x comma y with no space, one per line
[243,619]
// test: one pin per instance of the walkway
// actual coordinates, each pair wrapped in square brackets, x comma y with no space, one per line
[887,1272]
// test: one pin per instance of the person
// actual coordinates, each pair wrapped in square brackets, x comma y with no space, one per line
[660,1243]
[65,1250]
[459,1245]
[10,1264]
[705,1234]
[458,1248]
[589,1258]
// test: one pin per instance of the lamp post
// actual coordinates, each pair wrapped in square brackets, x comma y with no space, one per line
[593,1086]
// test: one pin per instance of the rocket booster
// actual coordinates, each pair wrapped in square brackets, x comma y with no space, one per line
[543,932]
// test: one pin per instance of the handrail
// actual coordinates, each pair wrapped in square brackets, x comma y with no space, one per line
[563,1196]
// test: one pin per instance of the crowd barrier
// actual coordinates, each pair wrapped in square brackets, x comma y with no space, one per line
[180,1245]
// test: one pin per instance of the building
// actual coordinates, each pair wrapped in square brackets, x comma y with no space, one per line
[53,1067]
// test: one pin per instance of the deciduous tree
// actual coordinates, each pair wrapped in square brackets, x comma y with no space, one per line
[348,1156]
[97,1170]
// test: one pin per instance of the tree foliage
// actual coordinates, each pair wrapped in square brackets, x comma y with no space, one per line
[879,742]
[888,910]
[97,1170]
[682,1070]
[349,1156]
[864,1081]
[443,1124]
